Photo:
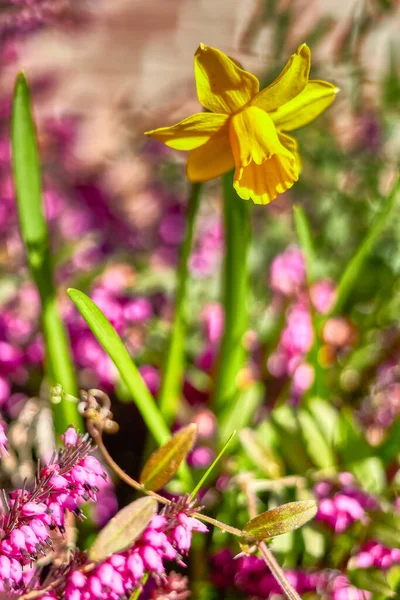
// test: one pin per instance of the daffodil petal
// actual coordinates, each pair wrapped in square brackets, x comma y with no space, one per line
[211,160]
[291,145]
[264,166]
[222,86]
[289,84]
[253,137]
[191,132]
[313,100]
[263,183]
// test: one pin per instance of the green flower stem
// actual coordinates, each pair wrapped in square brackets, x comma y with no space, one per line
[235,281]
[354,268]
[28,187]
[171,385]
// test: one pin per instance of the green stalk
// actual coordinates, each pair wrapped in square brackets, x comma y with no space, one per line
[235,281]
[174,366]
[113,345]
[28,188]
[354,267]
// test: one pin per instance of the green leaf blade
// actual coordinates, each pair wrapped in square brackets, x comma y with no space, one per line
[26,167]
[123,529]
[280,520]
[33,227]
[164,462]
[112,344]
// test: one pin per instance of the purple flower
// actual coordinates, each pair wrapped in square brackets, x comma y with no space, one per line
[167,537]
[287,272]
[341,506]
[3,440]
[70,479]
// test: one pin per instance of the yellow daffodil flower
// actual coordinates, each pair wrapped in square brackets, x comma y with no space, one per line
[246,128]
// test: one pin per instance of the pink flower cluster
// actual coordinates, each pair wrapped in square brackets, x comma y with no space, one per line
[287,274]
[288,281]
[72,477]
[341,589]
[168,537]
[382,406]
[250,575]
[341,506]
[3,440]
[373,554]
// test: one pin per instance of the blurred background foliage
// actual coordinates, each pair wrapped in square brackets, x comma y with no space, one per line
[320,392]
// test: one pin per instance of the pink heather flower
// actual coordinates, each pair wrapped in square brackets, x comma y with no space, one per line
[287,272]
[213,318]
[3,440]
[343,590]
[5,391]
[373,554]
[152,378]
[138,310]
[303,378]
[70,437]
[340,507]
[166,538]
[298,335]
[250,575]
[323,295]
[70,479]
[201,457]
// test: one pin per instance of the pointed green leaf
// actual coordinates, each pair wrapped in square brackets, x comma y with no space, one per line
[262,456]
[280,520]
[164,462]
[354,267]
[213,465]
[316,443]
[372,580]
[123,529]
[33,228]
[113,345]
[306,241]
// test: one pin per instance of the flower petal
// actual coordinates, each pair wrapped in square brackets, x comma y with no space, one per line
[291,145]
[211,160]
[222,86]
[263,183]
[264,166]
[253,137]
[291,82]
[314,99]
[191,132]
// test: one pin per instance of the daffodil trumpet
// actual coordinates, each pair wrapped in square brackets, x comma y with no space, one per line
[247,129]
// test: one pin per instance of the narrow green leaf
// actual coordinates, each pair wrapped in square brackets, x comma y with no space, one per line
[241,411]
[27,177]
[28,188]
[372,580]
[164,462]
[112,344]
[235,292]
[280,520]
[262,456]
[325,415]
[174,364]
[213,464]
[306,242]
[291,447]
[354,267]
[318,447]
[385,528]
[123,529]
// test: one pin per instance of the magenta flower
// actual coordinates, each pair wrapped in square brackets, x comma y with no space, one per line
[3,440]
[71,478]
